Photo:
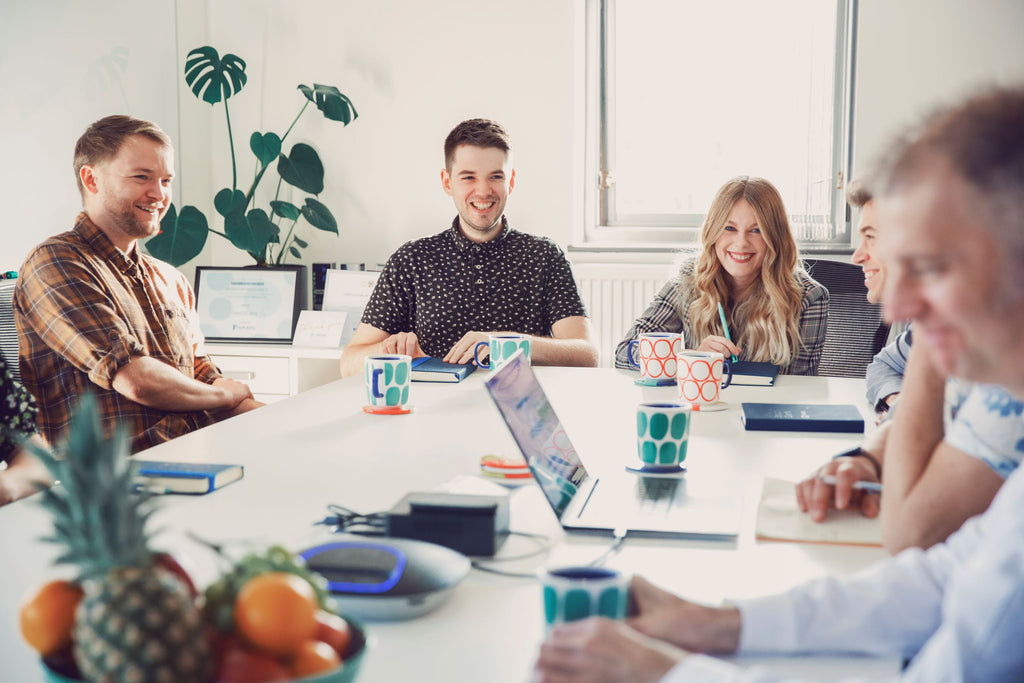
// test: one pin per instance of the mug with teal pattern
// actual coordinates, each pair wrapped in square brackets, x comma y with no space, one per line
[501,347]
[662,433]
[573,593]
[387,380]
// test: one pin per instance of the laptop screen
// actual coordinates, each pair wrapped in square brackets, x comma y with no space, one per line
[536,429]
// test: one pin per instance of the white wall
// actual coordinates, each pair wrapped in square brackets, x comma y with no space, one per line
[413,69]
[64,64]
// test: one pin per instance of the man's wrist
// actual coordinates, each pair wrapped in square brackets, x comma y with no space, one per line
[859,452]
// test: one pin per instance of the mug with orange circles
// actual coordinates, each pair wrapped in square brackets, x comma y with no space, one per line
[699,376]
[654,353]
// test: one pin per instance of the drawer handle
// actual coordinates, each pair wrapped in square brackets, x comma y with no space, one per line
[240,375]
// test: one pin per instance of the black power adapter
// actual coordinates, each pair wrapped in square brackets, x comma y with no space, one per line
[470,524]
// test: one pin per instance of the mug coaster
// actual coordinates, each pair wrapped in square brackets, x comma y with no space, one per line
[649,382]
[657,470]
[709,407]
[395,410]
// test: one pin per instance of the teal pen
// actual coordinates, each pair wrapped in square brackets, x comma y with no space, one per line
[725,326]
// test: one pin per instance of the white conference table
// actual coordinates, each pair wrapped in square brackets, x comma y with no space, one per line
[319,447]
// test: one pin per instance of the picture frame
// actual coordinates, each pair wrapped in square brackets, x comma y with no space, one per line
[256,305]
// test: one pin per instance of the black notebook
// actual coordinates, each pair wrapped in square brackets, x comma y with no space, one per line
[752,373]
[802,417]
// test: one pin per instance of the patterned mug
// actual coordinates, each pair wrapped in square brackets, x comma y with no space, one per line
[699,376]
[501,348]
[657,354]
[662,433]
[387,381]
[573,593]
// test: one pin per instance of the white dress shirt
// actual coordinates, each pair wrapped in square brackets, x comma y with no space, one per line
[956,609]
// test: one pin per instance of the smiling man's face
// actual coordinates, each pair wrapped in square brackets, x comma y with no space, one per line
[867,256]
[479,181]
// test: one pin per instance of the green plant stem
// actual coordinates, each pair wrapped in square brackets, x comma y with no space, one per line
[231,146]
[294,122]
[282,252]
[277,195]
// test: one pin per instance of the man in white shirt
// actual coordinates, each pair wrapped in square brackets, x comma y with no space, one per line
[952,199]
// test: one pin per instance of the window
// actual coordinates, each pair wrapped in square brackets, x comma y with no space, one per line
[689,93]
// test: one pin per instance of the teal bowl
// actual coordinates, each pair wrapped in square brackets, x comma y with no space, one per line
[353,662]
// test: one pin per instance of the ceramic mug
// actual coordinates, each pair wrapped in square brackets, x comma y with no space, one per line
[501,347]
[387,381]
[662,433]
[699,376]
[573,593]
[657,353]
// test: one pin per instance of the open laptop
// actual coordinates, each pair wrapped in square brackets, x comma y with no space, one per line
[635,503]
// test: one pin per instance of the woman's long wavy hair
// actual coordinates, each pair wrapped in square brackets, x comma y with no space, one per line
[768,319]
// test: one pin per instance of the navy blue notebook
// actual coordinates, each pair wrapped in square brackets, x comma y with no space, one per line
[802,417]
[752,373]
[427,369]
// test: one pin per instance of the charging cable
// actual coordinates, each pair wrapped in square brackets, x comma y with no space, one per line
[348,520]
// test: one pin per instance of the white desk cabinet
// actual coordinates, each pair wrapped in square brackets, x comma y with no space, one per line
[274,371]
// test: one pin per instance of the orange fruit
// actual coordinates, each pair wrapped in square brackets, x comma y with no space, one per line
[333,630]
[241,665]
[314,657]
[276,612]
[47,617]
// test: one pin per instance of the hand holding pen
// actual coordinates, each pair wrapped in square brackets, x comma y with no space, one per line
[723,345]
[843,483]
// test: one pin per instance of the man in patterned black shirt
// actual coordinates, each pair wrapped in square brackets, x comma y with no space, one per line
[440,295]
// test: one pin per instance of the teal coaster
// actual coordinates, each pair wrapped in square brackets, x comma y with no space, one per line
[648,382]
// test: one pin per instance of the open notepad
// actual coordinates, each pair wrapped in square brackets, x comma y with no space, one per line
[779,519]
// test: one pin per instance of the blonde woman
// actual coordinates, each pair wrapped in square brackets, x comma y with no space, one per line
[748,262]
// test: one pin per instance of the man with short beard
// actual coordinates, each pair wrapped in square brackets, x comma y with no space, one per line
[95,314]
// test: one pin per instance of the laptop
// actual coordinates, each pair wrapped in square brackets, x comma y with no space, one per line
[634,503]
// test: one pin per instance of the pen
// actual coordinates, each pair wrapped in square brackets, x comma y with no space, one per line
[869,486]
[725,326]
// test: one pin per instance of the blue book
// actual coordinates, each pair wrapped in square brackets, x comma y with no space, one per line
[752,373]
[802,417]
[152,476]
[427,369]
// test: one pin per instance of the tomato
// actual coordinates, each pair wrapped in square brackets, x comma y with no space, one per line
[242,665]
[276,612]
[47,617]
[333,630]
[314,657]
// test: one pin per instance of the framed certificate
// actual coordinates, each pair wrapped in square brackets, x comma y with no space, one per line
[254,305]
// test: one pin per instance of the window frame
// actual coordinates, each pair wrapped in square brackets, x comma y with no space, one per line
[664,232]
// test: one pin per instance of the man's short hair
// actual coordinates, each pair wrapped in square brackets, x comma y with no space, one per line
[476,132]
[982,139]
[103,139]
[858,193]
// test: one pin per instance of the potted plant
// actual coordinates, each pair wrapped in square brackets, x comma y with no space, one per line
[255,230]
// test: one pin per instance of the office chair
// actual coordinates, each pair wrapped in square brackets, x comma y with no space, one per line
[8,332]
[856,331]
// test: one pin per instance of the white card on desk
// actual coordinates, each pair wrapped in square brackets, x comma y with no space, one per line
[321,329]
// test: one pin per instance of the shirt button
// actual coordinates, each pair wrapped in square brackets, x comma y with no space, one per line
[479,282]
[479,266]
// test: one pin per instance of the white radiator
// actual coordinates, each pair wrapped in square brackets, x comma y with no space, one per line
[615,295]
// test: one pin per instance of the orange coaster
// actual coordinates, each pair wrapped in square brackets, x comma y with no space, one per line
[397,410]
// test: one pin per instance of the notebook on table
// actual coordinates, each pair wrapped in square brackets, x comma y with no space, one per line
[754,374]
[802,417]
[428,369]
[635,504]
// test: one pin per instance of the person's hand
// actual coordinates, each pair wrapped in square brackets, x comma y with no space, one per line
[815,496]
[406,343]
[721,345]
[236,392]
[462,351]
[597,649]
[668,617]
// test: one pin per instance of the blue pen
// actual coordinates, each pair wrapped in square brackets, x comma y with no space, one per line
[725,326]
[870,486]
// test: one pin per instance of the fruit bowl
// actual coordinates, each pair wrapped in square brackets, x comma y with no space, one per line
[348,673]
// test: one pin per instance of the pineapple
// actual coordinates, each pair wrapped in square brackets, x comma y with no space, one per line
[137,622]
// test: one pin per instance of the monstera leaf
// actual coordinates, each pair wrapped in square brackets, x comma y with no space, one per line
[182,236]
[302,168]
[319,216]
[252,232]
[265,147]
[328,99]
[215,77]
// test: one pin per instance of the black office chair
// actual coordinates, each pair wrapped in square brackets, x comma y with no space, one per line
[8,332]
[856,331]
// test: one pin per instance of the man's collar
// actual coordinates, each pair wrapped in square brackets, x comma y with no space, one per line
[463,243]
[102,245]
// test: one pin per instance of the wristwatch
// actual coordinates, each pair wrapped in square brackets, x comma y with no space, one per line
[856,452]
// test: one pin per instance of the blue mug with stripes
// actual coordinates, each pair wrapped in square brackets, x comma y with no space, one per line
[387,381]
[500,348]
[573,593]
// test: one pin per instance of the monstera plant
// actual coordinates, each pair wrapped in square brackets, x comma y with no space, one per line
[257,231]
